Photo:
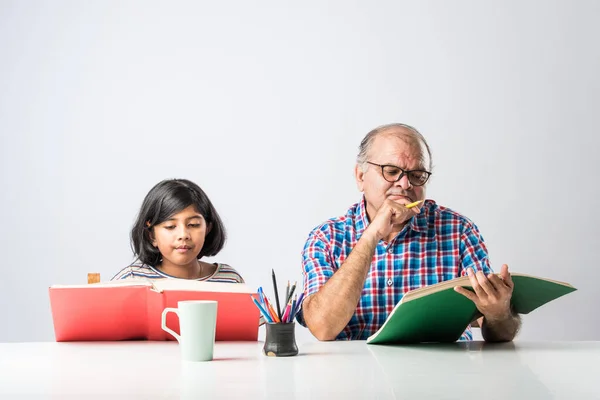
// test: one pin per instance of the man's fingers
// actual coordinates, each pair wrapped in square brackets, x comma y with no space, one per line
[506,276]
[401,214]
[488,288]
[498,283]
[467,293]
[475,283]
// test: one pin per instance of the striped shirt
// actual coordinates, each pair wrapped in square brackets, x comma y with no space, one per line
[223,273]
[436,245]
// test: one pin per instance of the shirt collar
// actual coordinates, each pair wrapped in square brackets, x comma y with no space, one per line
[362,221]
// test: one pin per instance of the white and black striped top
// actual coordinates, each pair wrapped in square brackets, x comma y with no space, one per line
[223,273]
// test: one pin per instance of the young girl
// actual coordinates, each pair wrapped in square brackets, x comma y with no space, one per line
[177,225]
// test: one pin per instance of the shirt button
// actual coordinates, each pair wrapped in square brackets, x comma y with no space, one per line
[390,250]
[390,282]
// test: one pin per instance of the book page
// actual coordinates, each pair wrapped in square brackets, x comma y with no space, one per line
[160,285]
[461,281]
[108,284]
[425,290]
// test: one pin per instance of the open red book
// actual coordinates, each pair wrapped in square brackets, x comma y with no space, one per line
[132,309]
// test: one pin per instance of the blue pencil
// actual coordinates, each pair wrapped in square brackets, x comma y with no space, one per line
[262,310]
[298,305]
[263,300]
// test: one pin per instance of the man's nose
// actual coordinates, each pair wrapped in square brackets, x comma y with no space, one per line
[403,182]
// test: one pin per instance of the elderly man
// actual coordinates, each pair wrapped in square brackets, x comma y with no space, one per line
[358,266]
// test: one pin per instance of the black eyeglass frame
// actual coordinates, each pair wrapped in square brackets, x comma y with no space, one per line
[404,172]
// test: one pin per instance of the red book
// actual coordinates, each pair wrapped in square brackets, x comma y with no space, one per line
[132,309]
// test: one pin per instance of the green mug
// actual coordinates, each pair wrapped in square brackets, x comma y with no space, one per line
[197,326]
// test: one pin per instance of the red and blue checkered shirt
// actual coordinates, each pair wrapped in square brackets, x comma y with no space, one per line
[436,245]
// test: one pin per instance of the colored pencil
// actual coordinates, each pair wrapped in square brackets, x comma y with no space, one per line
[289,297]
[276,293]
[411,205]
[261,309]
[287,292]
[294,306]
[274,313]
[298,304]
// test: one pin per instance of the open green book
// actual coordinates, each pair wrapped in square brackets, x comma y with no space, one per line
[436,313]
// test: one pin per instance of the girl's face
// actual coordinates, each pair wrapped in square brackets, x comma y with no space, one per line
[180,238]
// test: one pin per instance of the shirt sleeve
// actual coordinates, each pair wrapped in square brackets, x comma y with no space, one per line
[317,266]
[467,335]
[123,274]
[226,272]
[473,252]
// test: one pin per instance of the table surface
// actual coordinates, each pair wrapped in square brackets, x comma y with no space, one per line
[144,370]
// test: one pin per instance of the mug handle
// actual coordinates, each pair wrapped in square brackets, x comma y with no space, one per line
[164,322]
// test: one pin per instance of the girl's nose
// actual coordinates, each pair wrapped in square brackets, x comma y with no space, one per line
[184,232]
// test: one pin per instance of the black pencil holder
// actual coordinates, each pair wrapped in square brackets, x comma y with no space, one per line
[280,340]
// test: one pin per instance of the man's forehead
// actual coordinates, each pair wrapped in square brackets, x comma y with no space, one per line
[399,145]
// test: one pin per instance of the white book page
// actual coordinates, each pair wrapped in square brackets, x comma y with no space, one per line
[119,283]
[200,286]
[163,284]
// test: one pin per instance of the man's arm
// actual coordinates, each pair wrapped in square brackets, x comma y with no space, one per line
[328,311]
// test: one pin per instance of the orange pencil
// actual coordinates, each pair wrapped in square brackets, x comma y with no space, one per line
[273,313]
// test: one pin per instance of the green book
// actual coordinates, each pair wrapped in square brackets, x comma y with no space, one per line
[436,313]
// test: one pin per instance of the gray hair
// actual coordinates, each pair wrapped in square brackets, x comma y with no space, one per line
[367,142]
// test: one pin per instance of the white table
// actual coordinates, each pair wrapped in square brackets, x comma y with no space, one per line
[338,370]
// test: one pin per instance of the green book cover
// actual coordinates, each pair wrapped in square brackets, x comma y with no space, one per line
[436,313]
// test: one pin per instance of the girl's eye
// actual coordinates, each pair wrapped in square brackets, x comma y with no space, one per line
[170,227]
[194,225]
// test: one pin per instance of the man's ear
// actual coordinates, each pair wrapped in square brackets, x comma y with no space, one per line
[359,176]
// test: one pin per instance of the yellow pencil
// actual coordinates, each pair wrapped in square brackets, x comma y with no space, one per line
[411,205]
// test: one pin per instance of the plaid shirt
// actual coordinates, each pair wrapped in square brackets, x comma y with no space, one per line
[436,245]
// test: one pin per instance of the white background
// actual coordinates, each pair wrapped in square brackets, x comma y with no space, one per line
[264,105]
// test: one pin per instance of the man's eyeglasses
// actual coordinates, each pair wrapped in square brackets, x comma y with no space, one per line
[391,173]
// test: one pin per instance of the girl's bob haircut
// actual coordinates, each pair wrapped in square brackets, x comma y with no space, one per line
[164,200]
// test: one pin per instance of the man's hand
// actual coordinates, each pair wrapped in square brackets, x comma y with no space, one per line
[492,293]
[390,215]
[492,298]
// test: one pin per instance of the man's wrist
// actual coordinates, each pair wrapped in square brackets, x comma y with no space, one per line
[371,235]
[499,317]
[501,330]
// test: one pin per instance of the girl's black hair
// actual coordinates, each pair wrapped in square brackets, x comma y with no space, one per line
[164,200]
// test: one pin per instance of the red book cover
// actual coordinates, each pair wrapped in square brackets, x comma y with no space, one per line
[129,310]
